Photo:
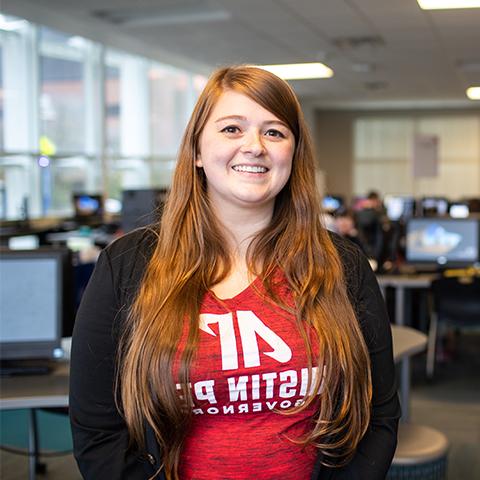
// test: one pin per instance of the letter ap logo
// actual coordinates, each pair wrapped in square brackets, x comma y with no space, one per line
[250,327]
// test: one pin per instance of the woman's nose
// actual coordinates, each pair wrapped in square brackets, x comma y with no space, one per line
[253,144]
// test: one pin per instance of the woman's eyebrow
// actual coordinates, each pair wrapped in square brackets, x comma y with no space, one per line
[231,117]
[243,119]
[277,122]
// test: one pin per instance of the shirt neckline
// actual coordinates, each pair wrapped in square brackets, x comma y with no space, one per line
[240,295]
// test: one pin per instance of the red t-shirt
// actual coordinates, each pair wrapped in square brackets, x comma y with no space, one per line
[251,360]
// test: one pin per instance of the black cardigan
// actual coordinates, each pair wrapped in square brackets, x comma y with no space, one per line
[100,436]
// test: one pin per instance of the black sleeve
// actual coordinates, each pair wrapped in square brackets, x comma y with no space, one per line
[100,437]
[375,451]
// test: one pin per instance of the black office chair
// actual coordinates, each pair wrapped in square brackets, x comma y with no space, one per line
[456,301]
[369,224]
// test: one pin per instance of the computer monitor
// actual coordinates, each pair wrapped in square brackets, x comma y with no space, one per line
[32,295]
[24,242]
[459,210]
[434,206]
[442,241]
[141,207]
[331,203]
[399,206]
[88,206]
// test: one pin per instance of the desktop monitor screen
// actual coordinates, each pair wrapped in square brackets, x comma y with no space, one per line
[399,206]
[141,207]
[442,241]
[24,242]
[31,303]
[434,206]
[87,206]
[459,210]
[331,203]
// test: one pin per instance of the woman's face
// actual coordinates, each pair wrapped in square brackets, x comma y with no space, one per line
[246,153]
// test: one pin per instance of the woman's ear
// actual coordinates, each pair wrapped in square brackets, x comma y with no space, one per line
[198,161]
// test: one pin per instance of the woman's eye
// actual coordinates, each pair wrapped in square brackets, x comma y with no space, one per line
[275,133]
[230,129]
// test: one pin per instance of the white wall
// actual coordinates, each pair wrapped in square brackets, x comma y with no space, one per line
[383,155]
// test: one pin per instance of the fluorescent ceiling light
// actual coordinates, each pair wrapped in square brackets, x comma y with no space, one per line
[299,71]
[198,11]
[178,19]
[473,93]
[447,4]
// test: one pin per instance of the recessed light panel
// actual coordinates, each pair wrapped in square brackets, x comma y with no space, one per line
[448,4]
[299,71]
[473,93]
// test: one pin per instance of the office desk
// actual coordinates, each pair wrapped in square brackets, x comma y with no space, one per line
[31,392]
[36,391]
[406,342]
[401,283]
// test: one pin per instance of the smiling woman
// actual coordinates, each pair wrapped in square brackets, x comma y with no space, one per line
[248,342]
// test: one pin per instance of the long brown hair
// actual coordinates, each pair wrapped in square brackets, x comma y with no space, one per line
[190,257]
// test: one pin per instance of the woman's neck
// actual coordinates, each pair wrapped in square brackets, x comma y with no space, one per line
[241,225]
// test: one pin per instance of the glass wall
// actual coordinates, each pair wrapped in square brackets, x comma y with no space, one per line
[20,179]
[62,90]
[1,97]
[78,117]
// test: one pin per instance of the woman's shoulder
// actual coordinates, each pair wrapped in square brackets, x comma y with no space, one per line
[354,262]
[131,252]
[350,254]
[140,240]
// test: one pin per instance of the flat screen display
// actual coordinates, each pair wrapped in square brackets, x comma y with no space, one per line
[88,205]
[459,210]
[31,296]
[399,206]
[442,241]
[331,203]
[434,206]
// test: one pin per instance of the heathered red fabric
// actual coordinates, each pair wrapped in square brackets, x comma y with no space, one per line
[262,366]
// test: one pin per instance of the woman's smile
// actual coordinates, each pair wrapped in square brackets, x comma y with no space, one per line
[256,169]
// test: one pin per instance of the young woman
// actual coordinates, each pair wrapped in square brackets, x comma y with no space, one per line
[238,339]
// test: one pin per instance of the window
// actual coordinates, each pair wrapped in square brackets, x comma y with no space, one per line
[62,91]
[1,97]
[20,193]
[76,117]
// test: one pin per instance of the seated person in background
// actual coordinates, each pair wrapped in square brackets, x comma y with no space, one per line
[345,226]
[368,221]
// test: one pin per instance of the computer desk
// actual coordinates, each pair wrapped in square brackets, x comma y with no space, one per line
[32,392]
[406,342]
[401,283]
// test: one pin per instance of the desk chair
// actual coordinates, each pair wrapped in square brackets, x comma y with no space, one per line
[369,224]
[421,451]
[455,300]
[36,433]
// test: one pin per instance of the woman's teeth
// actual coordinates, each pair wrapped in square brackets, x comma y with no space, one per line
[250,169]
